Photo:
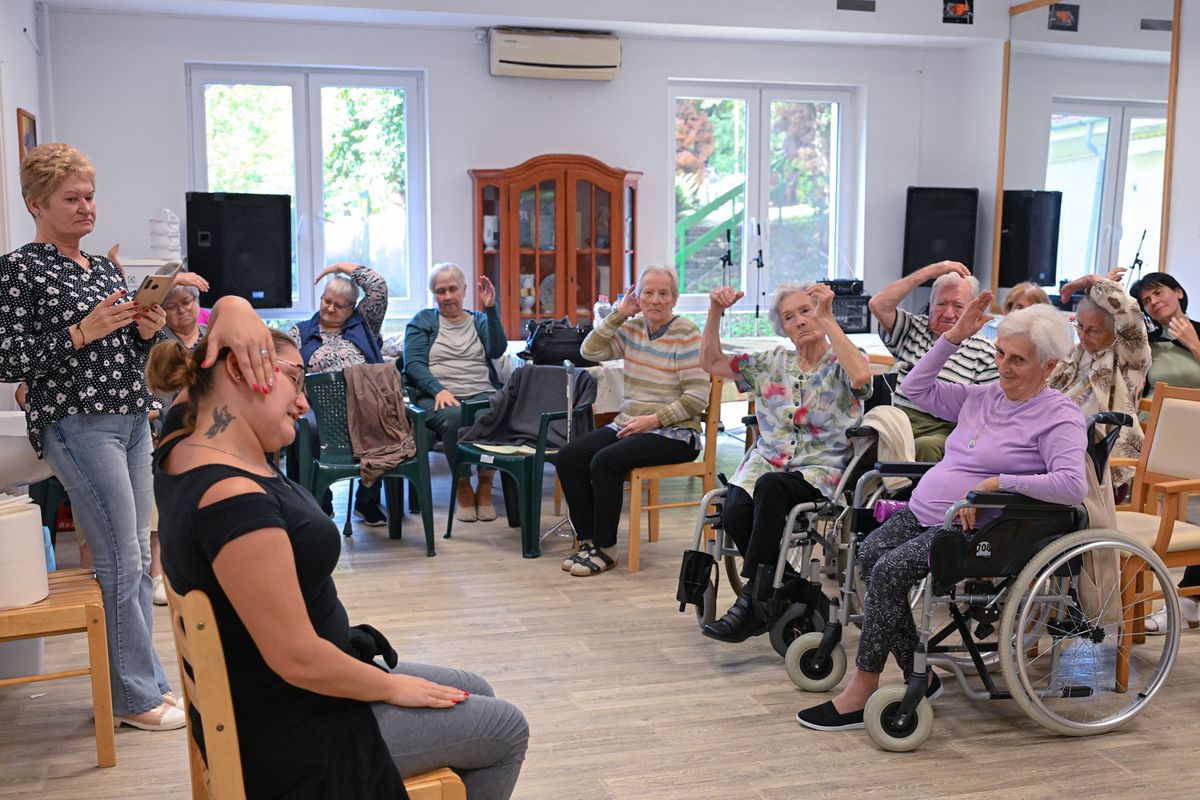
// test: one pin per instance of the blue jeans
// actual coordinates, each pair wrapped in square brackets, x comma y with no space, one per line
[103,461]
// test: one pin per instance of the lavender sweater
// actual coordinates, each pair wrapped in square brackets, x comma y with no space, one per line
[1036,447]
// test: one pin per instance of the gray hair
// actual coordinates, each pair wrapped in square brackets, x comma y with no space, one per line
[1086,303]
[1043,325]
[192,290]
[658,269]
[460,277]
[341,286]
[782,293]
[954,279]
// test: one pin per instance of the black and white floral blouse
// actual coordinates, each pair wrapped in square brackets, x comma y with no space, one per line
[42,294]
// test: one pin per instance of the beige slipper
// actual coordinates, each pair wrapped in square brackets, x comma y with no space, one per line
[485,513]
[466,514]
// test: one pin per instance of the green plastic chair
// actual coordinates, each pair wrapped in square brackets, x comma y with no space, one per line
[527,470]
[336,462]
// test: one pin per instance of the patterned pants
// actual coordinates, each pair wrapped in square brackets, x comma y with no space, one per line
[893,559]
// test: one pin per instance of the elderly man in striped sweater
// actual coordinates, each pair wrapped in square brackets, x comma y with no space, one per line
[909,336]
[665,394]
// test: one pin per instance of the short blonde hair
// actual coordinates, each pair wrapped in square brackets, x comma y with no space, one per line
[46,166]
[1030,291]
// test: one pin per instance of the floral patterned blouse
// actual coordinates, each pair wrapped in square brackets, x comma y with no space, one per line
[802,417]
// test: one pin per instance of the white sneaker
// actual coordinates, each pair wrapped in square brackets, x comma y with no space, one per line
[160,591]
[1189,609]
[166,717]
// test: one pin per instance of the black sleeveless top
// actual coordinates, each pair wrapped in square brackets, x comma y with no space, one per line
[294,743]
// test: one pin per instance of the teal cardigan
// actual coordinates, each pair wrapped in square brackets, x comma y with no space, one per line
[420,334]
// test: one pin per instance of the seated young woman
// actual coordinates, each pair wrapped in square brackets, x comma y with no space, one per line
[1016,435]
[806,396]
[313,719]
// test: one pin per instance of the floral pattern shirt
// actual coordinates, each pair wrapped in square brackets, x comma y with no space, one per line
[42,294]
[802,417]
[336,352]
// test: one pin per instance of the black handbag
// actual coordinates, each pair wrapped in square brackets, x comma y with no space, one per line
[697,575]
[554,341]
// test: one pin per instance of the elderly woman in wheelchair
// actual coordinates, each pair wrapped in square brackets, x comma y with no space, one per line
[806,399]
[1016,435]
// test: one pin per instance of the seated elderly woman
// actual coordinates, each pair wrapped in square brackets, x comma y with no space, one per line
[448,359]
[665,394]
[182,307]
[344,332]
[805,399]
[1107,369]
[1024,295]
[1017,435]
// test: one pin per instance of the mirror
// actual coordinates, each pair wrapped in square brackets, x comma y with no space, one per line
[1086,139]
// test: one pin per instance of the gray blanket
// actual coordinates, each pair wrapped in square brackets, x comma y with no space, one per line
[516,410]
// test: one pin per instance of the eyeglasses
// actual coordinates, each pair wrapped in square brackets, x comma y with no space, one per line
[335,305]
[183,304]
[1089,332]
[299,378]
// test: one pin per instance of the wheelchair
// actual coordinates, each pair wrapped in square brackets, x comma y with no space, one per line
[789,596]
[1036,592]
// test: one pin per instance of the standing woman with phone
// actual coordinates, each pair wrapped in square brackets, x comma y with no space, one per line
[68,330]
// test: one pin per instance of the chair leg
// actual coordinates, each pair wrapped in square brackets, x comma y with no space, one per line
[558,496]
[347,530]
[1142,609]
[635,523]
[512,499]
[425,500]
[106,747]
[1129,572]
[652,514]
[453,497]
[529,487]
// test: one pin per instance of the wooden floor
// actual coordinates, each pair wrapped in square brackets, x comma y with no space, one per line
[625,699]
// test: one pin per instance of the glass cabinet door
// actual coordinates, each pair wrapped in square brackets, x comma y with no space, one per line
[593,247]
[536,212]
[490,236]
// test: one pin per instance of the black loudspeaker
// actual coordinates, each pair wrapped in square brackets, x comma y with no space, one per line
[1029,237]
[242,245]
[939,225]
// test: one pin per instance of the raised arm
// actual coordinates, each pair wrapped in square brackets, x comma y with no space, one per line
[712,356]
[884,304]
[603,344]
[942,398]
[496,341]
[857,368]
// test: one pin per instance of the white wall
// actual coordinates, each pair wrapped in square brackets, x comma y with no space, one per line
[1183,246]
[18,89]
[129,113]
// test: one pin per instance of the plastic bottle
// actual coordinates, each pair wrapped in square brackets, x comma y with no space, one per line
[602,308]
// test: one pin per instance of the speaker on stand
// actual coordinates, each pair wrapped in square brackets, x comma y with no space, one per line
[1029,237]
[242,245]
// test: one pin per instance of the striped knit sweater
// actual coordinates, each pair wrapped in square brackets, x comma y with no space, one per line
[662,375]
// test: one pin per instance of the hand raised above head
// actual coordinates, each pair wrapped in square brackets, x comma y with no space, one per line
[340,268]
[973,318]
[485,292]
[723,297]
[822,296]
[940,268]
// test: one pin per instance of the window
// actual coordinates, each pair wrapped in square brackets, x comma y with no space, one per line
[347,147]
[760,168]
[1107,160]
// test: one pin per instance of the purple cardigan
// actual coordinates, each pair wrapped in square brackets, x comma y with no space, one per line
[1036,447]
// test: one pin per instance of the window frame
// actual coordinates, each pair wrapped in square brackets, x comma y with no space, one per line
[308,235]
[843,168]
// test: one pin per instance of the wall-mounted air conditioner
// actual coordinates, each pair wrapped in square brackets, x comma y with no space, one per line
[554,54]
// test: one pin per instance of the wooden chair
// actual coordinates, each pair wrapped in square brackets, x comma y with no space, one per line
[1166,472]
[206,688]
[74,605]
[704,468]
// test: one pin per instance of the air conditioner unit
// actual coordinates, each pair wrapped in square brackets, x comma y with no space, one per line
[566,55]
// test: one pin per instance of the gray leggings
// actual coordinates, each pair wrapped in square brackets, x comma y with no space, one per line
[483,738]
[893,559]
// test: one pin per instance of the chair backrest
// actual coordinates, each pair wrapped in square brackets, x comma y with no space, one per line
[712,418]
[326,393]
[218,774]
[1173,433]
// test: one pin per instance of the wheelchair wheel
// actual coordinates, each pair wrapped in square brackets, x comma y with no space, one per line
[797,620]
[733,573]
[798,660]
[880,719]
[1063,665]
[707,611]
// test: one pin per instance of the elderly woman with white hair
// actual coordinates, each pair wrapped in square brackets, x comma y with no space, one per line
[182,308]
[805,399]
[909,336]
[665,393]
[448,359]
[1017,435]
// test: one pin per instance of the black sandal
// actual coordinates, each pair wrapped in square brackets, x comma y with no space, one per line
[591,563]
[573,559]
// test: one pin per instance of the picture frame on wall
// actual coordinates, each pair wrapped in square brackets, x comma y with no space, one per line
[26,133]
[958,12]
[1064,17]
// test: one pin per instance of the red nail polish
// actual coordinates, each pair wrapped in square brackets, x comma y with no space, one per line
[466,694]
[254,387]
[277,369]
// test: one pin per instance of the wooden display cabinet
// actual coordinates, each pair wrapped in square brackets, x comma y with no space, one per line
[553,234]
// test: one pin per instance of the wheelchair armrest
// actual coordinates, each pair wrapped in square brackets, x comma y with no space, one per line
[862,432]
[907,469]
[1014,505]
[1109,418]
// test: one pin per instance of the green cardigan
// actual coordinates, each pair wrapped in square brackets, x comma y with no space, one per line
[420,335]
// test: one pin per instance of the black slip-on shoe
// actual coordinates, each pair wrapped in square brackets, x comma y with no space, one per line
[826,718]
[372,515]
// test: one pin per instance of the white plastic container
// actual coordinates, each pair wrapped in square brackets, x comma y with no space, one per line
[23,578]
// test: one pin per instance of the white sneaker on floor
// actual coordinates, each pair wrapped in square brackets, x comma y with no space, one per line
[160,590]
[166,717]
[1189,611]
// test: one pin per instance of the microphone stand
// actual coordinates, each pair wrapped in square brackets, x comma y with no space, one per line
[1137,259]
[570,368]
[726,269]
[759,264]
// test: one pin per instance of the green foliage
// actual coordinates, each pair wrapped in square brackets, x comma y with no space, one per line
[250,141]
[365,149]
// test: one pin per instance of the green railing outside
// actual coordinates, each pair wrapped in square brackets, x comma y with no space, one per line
[700,215]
